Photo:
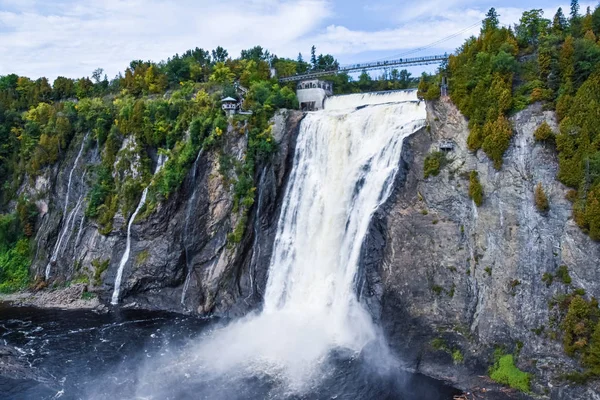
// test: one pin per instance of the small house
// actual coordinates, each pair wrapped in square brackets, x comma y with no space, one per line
[230,105]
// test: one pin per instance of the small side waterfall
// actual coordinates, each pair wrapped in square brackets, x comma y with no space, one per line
[186,231]
[65,226]
[115,296]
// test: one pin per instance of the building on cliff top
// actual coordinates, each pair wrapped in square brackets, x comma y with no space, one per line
[312,94]
[230,105]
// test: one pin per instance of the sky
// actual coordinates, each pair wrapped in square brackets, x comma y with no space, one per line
[72,38]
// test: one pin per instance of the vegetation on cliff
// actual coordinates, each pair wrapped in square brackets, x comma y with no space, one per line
[554,61]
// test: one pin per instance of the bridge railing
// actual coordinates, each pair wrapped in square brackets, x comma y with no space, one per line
[368,66]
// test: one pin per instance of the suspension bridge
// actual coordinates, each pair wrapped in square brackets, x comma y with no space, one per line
[426,60]
[386,64]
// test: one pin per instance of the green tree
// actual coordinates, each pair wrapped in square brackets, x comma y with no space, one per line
[491,21]
[222,74]
[219,55]
[475,188]
[541,200]
[559,23]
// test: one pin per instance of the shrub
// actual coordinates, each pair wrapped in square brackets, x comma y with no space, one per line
[497,139]
[457,356]
[543,133]
[505,372]
[14,267]
[541,200]
[475,188]
[433,163]
[563,274]
[576,325]
[548,278]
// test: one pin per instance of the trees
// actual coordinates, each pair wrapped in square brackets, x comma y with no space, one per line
[219,55]
[559,23]
[491,20]
[532,26]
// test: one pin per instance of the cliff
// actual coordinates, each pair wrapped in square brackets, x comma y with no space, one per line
[186,236]
[445,275]
[441,275]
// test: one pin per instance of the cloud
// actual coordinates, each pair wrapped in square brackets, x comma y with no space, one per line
[72,38]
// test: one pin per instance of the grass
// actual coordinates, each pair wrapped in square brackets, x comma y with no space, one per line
[504,371]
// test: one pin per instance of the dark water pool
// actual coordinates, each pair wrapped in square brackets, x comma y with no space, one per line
[86,355]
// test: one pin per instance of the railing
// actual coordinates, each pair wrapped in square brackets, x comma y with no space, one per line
[368,66]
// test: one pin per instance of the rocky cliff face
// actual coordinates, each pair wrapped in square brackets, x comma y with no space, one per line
[186,236]
[441,267]
[434,265]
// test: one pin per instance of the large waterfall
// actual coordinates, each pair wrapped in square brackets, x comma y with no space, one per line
[344,168]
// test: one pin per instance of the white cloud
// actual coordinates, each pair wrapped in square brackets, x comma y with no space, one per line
[73,39]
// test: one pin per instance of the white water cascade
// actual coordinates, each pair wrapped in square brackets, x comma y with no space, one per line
[345,164]
[115,296]
[186,230]
[68,217]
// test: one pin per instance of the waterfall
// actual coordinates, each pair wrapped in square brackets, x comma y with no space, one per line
[66,206]
[115,296]
[345,164]
[186,231]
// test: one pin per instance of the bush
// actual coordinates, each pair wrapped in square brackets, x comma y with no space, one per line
[541,200]
[475,188]
[543,133]
[497,139]
[505,372]
[433,163]
[14,267]
[563,274]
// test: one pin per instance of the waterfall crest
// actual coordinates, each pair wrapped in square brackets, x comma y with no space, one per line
[115,296]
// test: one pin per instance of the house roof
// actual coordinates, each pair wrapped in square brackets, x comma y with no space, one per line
[228,100]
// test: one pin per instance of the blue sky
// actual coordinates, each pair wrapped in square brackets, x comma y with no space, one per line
[72,38]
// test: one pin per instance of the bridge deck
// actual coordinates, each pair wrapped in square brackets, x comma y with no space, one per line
[369,66]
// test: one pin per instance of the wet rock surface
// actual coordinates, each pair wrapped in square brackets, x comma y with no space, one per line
[439,267]
[224,278]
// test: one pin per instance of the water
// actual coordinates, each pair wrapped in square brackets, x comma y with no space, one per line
[65,227]
[186,230]
[115,296]
[85,355]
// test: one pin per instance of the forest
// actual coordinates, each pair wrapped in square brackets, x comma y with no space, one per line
[554,61]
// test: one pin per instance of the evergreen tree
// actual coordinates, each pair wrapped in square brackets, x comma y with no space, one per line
[313,57]
[491,20]
[574,9]
[559,23]
[592,357]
